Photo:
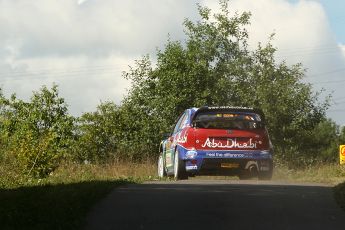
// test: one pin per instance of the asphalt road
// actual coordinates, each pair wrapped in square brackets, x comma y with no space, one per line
[206,204]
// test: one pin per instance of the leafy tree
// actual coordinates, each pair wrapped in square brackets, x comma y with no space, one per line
[216,67]
[325,141]
[213,66]
[37,134]
[97,134]
[342,135]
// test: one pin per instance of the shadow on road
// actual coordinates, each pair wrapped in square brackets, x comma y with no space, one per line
[217,206]
[61,206]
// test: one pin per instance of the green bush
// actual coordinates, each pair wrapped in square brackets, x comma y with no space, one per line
[213,67]
[37,134]
[97,134]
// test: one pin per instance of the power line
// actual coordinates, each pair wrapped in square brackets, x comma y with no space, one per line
[336,110]
[329,82]
[338,103]
[19,74]
[59,69]
[338,98]
[60,74]
[328,72]
[310,52]
[53,71]
[101,75]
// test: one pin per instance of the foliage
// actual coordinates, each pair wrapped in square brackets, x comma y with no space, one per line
[97,134]
[318,172]
[37,134]
[216,67]
[213,66]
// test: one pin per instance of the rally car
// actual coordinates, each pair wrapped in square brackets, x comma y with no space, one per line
[217,141]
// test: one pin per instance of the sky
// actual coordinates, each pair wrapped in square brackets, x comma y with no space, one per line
[85,45]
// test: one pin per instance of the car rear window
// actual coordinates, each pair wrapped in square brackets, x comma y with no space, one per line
[227,120]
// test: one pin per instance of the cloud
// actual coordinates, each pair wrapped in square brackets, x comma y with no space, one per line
[342,47]
[83,81]
[99,28]
[81,2]
[302,35]
[301,29]
[84,45]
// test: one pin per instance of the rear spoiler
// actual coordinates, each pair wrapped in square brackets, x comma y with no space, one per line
[232,109]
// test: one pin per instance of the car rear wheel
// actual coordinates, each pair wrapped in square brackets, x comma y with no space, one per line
[161,169]
[249,173]
[179,168]
[266,175]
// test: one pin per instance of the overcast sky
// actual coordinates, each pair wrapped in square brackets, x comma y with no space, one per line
[84,45]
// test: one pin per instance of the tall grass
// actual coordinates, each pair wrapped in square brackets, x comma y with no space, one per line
[69,172]
[111,170]
[331,174]
[72,189]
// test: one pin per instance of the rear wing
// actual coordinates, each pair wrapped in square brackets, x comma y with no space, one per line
[232,109]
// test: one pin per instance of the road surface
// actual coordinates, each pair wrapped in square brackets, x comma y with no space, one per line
[219,204]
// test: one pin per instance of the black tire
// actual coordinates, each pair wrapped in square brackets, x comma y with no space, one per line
[161,167]
[179,168]
[266,175]
[249,173]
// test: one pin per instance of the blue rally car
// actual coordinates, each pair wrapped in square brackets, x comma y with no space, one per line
[217,141]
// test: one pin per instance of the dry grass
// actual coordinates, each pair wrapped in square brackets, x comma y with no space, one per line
[324,173]
[81,185]
[109,171]
[72,172]
[69,172]
[328,173]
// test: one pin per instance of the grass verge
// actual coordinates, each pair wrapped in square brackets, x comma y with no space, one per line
[62,200]
[331,174]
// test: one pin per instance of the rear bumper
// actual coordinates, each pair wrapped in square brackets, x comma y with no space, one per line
[227,162]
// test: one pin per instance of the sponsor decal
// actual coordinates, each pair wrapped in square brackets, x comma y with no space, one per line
[234,115]
[228,107]
[191,167]
[229,155]
[230,143]
[182,138]
[230,165]
[230,115]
